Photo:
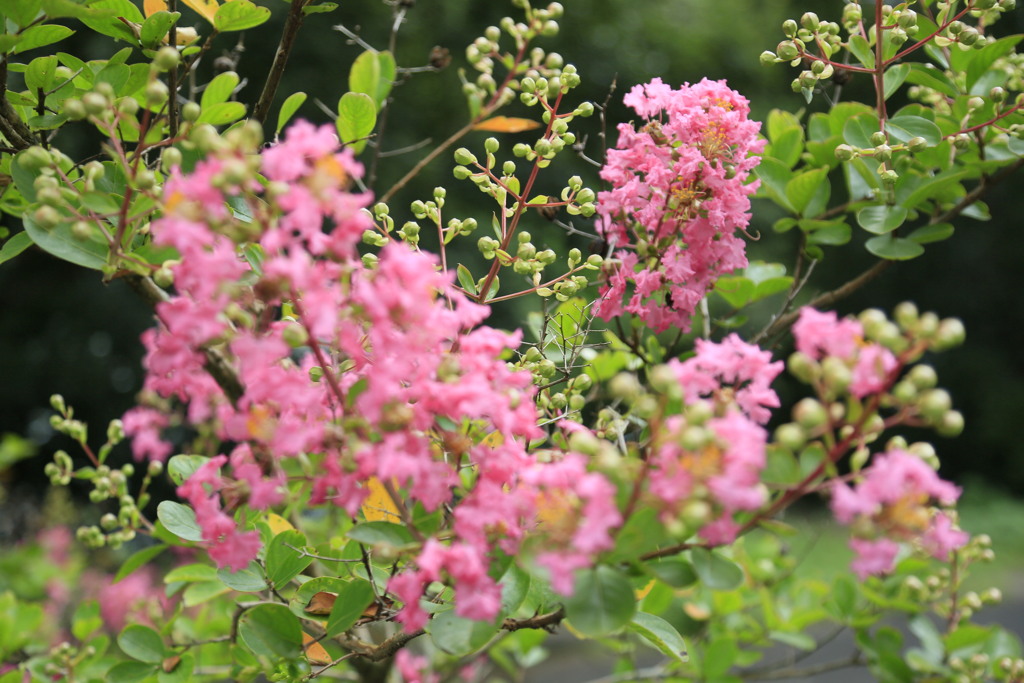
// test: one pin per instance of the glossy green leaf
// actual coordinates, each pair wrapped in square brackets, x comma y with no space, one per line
[131,672]
[285,558]
[660,634]
[60,242]
[736,290]
[787,147]
[155,28]
[881,219]
[802,188]
[239,15]
[357,115]
[271,631]
[858,130]
[219,89]
[40,36]
[247,580]
[181,467]
[862,51]
[188,573]
[320,8]
[931,77]
[893,248]
[774,175]
[715,570]
[903,128]
[56,9]
[222,114]
[373,73]
[380,533]
[602,601]
[142,643]
[827,233]
[932,233]
[180,520]
[353,599]
[181,673]
[109,20]
[14,246]
[138,559]
[288,109]
[459,636]
[40,73]
[86,620]
[466,280]
[21,12]
[203,591]
[894,77]
[916,189]
[515,584]
[674,571]
[719,656]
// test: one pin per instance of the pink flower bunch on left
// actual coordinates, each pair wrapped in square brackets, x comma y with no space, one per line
[680,191]
[892,502]
[706,463]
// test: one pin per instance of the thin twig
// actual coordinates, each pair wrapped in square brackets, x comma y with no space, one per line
[284,49]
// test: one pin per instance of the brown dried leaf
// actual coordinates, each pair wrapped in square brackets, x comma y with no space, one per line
[321,603]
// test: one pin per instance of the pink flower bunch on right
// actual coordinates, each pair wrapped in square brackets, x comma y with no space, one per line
[819,334]
[680,191]
[892,502]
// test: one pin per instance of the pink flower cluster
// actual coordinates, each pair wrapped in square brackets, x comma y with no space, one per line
[892,502]
[679,192]
[717,463]
[819,334]
[367,370]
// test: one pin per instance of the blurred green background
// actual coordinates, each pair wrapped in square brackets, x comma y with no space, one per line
[61,330]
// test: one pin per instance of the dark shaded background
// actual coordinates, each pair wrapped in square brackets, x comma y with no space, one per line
[62,330]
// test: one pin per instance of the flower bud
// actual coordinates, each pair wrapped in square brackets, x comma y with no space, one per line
[810,414]
[791,435]
[845,152]
[917,144]
[803,367]
[951,424]
[74,109]
[190,111]
[166,58]
[464,156]
[789,27]
[767,58]
[835,374]
[951,333]
[787,50]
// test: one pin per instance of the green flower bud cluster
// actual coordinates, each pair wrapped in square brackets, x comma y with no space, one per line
[542,368]
[580,199]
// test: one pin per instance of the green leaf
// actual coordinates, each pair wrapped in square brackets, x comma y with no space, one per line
[271,631]
[829,233]
[931,77]
[357,115]
[373,73]
[180,520]
[288,109]
[156,26]
[239,15]
[857,131]
[56,9]
[181,673]
[40,72]
[189,573]
[719,657]
[320,8]
[131,672]
[219,89]
[674,571]
[800,641]
[14,246]
[515,584]
[222,114]
[380,533]
[352,600]
[142,643]
[466,280]
[247,580]
[660,634]
[58,241]
[802,188]
[181,467]
[284,563]
[774,175]
[903,128]
[138,559]
[203,591]
[459,636]
[932,233]
[21,12]
[602,601]
[927,188]
[86,620]
[736,290]
[894,77]
[40,36]
[862,50]
[984,58]
[881,219]
[109,20]
[894,248]
[714,570]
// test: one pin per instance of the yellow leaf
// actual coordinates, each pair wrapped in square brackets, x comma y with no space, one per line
[206,8]
[277,524]
[494,439]
[506,124]
[378,506]
[641,593]
[151,7]
[315,652]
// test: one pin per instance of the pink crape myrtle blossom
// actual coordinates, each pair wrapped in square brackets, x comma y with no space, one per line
[732,380]
[820,334]
[414,668]
[892,502]
[362,369]
[680,191]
